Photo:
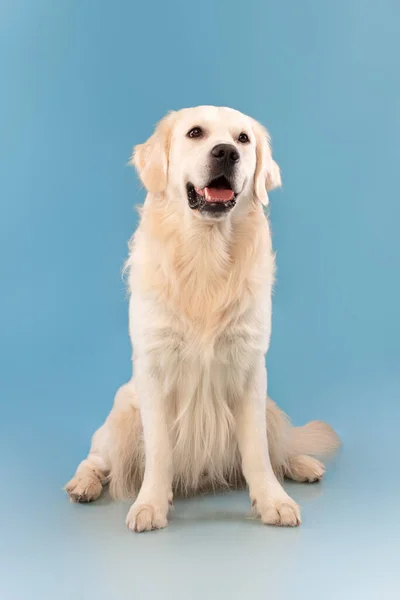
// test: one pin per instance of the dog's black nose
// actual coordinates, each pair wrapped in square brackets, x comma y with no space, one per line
[225,153]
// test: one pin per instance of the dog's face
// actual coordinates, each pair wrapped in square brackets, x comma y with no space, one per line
[209,158]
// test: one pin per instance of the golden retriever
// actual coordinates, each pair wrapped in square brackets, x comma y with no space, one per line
[200,270]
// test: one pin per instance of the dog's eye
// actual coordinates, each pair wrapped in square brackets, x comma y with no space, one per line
[196,132]
[243,138]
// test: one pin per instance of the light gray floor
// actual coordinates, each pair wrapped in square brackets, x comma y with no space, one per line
[347,547]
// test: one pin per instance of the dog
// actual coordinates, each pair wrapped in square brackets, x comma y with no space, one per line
[200,273]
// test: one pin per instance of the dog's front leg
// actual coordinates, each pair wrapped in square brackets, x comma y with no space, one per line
[272,503]
[150,510]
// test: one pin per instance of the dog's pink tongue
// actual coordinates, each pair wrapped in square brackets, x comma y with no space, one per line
[217,195]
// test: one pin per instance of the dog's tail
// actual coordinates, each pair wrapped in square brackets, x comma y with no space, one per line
[315,438]
[286,442]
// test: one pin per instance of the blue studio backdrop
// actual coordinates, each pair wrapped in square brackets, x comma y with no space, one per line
[82,81]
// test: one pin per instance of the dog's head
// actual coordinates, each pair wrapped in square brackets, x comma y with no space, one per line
[210,158]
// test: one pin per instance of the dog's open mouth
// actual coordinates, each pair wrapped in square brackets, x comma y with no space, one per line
[217,197]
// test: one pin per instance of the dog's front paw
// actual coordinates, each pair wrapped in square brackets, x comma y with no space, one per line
[146,517]
[281,511]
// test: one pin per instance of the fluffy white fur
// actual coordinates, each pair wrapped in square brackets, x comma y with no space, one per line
[196,414]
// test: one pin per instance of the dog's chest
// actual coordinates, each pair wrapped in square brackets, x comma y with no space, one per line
[203,394]
[196,368]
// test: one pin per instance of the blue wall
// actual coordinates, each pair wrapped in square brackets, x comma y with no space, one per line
[83,81]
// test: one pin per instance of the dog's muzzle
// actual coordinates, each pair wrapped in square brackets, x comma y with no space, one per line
[219,195]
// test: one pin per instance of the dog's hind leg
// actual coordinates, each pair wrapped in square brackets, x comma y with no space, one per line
[92,472]
[304,468]
[115,455]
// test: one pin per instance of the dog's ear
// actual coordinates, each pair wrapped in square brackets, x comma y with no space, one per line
[151,158]
[267,175]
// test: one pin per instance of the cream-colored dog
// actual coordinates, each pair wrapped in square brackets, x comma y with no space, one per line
[201,270]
